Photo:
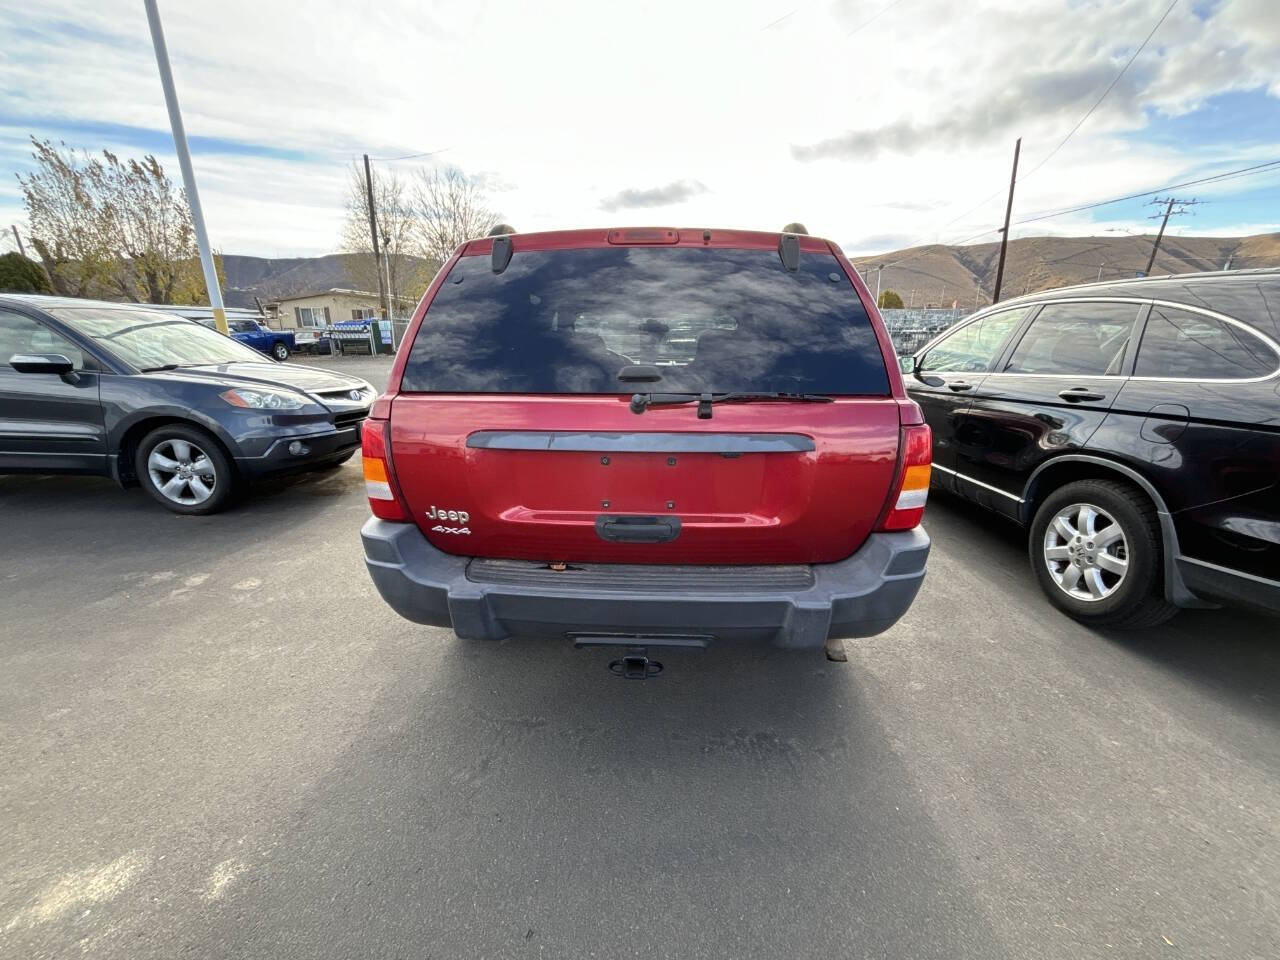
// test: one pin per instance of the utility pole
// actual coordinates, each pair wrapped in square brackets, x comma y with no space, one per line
[1151,261]
[912,301]
[22,252]
[1004,233]
[1169,203]
[373,238]
[879,271]
[386,260]
[1100,266]
[184,162]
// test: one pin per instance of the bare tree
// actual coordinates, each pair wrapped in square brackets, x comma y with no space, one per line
[450,208]
[397,224]
[156,257]
[111,227]
[68,230]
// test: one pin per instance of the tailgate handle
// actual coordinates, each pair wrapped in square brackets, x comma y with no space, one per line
[628,529]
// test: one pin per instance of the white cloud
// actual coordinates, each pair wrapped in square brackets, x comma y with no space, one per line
[569,106]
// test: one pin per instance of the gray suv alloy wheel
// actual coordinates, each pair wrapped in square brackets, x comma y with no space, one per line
[185,469]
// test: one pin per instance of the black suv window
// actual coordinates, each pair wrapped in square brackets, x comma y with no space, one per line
[21,334]
[972,348]
[710,319]
[1184,344]
[1075,339]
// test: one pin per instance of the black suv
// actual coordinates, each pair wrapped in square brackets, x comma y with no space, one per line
[1133,427]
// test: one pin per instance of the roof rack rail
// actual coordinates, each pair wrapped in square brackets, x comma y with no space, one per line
[789,251]
[501,254]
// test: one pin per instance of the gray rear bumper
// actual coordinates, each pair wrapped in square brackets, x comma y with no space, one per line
[860,596]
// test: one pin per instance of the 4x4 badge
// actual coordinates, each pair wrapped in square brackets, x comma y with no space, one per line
[457,516]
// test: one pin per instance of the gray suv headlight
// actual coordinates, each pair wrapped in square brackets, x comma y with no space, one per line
[264,399]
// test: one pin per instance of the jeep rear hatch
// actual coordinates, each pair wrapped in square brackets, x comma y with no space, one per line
[515,432]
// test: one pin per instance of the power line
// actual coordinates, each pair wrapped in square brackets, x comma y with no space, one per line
[1079,123]
[874,17]
[1228,175]
[408,156]
[773,23]
[1105,92]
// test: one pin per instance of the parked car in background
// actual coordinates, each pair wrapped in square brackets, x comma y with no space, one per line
[156,400]
[648,437]
[311,340]
[1133,427]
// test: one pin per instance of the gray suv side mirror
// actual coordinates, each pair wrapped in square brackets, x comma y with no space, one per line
[41,363]
[907,364]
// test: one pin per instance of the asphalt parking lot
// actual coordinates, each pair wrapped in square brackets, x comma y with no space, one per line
[218,742]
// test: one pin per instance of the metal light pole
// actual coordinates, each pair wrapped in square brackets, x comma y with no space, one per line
[879,271]
[184,162]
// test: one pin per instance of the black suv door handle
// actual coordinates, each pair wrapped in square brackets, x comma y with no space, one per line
[1076,394]
[625,529]
[958,385]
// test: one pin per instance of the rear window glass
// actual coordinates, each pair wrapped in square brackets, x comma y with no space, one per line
[1186,345]
[1075,339]
[567,321]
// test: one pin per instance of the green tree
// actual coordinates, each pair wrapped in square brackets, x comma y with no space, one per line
[889,300]
[19,274]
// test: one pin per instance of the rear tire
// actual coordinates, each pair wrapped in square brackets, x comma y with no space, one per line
[185,469]
[1095,546]
[280,351]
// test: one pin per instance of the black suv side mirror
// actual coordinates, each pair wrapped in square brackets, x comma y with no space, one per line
[41,363]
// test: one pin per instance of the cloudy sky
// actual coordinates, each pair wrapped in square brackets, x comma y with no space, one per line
[878,123]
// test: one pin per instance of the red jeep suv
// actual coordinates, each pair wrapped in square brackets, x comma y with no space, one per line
[648,437]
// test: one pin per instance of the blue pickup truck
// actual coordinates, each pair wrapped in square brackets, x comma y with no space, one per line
[275,343]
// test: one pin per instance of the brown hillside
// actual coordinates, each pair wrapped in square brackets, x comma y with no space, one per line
[936,275]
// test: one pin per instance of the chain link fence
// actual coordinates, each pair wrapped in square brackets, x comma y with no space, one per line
[912,329]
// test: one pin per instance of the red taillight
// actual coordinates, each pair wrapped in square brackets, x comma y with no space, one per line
[379,479]
[911,488]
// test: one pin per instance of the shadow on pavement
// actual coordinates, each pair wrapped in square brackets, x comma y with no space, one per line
[525,801]
[1231,653]
[97,508]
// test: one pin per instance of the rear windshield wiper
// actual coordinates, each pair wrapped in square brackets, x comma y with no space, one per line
[642,401]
